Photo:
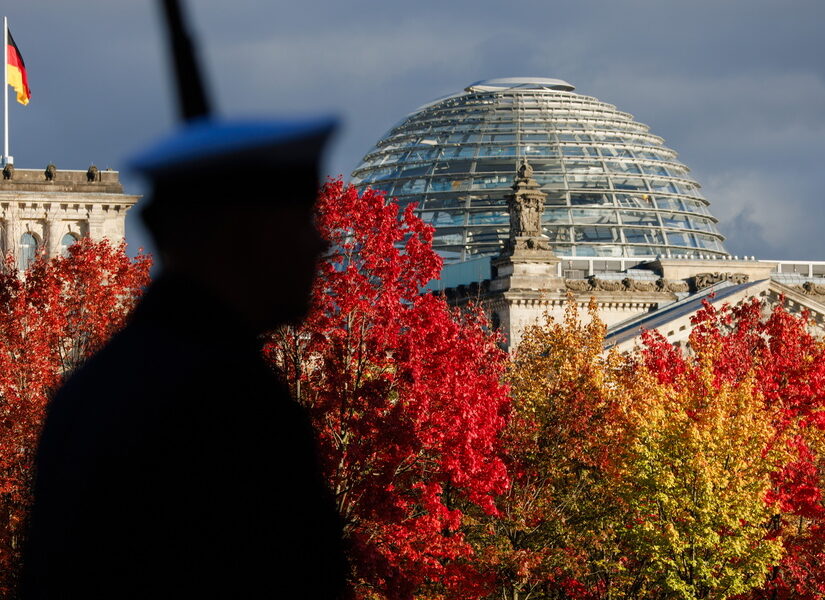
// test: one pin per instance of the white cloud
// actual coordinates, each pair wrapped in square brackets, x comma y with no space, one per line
[762,216]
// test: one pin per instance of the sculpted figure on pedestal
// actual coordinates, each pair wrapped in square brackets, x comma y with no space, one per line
[526,207]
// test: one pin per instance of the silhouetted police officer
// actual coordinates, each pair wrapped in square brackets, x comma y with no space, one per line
[174,464]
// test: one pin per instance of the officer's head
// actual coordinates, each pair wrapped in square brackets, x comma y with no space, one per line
[232,205]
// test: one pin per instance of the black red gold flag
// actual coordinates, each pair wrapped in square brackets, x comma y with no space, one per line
[16,69]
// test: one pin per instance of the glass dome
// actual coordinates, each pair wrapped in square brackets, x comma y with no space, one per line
[613,188]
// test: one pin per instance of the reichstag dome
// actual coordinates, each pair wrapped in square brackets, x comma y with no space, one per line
[613,188]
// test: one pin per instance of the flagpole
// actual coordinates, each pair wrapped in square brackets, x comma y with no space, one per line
[7,160]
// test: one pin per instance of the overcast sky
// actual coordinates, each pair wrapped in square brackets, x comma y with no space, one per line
[737,87]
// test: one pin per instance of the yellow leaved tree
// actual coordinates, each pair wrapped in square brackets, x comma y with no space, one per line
[634,476]
[695,484]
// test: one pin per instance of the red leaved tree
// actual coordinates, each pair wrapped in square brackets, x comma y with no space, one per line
[52,317]
[406,398]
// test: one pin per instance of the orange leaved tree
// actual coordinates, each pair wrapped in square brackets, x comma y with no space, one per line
[556,533]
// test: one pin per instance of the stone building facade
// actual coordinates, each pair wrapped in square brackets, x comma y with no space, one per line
[528,280]
[44,211]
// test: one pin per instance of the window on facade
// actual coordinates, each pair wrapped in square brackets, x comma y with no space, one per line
[28,250]
[65,242]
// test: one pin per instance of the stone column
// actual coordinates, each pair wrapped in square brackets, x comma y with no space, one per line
[527,270]
[95,216]
[54,226]
[13,231]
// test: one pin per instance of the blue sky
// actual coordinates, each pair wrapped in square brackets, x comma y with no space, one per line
[737,87]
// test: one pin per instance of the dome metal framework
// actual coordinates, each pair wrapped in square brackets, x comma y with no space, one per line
[613,188]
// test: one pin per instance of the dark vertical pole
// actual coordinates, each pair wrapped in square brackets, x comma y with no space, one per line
[191,92]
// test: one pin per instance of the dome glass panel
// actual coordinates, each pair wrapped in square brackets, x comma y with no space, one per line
[613,188]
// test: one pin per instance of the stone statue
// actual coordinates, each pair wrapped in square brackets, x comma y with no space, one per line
[525,216]
[526,207]
[50,173]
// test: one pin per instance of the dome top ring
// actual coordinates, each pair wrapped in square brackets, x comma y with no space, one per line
[528,83]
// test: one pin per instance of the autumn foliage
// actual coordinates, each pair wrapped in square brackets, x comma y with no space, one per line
[664,473]
[51,319]
[564,471]
[696,484]
[567,419]
[405,395]
[787,364]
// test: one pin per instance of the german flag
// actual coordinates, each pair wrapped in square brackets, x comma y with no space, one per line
[16,70]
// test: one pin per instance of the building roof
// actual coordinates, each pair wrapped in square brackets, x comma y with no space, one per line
[614,189]
[720,292]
